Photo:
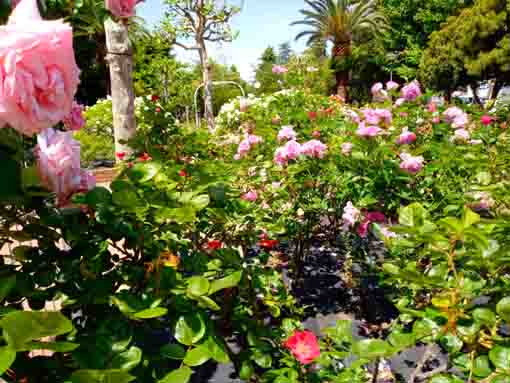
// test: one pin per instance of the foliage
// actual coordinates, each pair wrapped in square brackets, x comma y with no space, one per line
[472,45]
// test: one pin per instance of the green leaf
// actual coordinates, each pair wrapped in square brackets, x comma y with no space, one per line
[225,283]
[246,371]
[7,358]
[263,359]
[190,329]
[126,198]
[412,215]
[180,215]
[401,340]
[207,302]
[500,357]
[440,379]
[173,351]
[470,218]
[182,375]
[484,316]
[451,343]
[200,202]
[98,196]
[198,286]
[6,285]
[372,348]
[101,376]
[21,327]
[197,356]
[481,367]
[127,360]
[217,349]
[503,308]
[143,171]
[151,313]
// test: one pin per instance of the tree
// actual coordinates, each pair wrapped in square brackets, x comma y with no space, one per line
[471,47]
[342,22]
[266,79]
[201,21]
[412,22]
[284,53]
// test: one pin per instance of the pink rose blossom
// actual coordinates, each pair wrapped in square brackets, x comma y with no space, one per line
[436,120]
[121,8]
[476,142]
[432,107]
[371,116]
[58,163]
[316,134]
[38,73]
[290,151]
[391,85]
[353,116]
[410,163]
[456,117]
[314,148]
[411,91]
[244,104]
[378,93]
[250,196]
[347,148]
[279,69]
[461,135]
[399,102]
[406,137]
[254,140]
[368,131]
[75,121]
[350,216]
[246,145]
[376,88]
[385,115]
[486,120]
[286,133]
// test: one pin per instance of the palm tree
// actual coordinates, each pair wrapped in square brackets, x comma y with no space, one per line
[341,22]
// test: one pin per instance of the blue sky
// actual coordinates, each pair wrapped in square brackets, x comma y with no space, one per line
[261,23]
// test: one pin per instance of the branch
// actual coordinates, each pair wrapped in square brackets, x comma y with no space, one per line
[186,14]
[187,47]
[419,367]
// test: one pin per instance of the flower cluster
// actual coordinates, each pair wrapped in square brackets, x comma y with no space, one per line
[411,164]
[246,145]
[293,149]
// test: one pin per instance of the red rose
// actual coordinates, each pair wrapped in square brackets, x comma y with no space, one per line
[154,98]
[316,134]
[214,244]
[268,244]
[120,155]
[182,173]
[304,346]
[158,110]
[312,115]
[145,157]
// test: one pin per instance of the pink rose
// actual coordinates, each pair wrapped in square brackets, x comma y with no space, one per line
[290,151]
[347,148]
[38,73]
[314,148]
[431,107]
[286,133]
[436,120]
[75,121]
[391,85]
[411,91]
[461,135]
[378,93]
[250,196]
[411,164]
[476,142]
[121,8]
[456,117]
[279,69]
[58,162]
[486,120]
[406,137]
[368,131]
[350,215]
[399,102]
[371,116]
[353,116]
[246,145]
[376,88]
[385,115]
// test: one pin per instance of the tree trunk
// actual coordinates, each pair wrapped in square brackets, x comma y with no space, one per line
[474,89]
[206,78]
[342,50]
[120,61]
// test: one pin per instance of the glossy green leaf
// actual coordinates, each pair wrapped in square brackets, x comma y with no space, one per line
[451,343]
[500,357]
[372,348]
[246,371]
[197,356]
[229,281]
[7,358]
[173,351]
[98,196]
[481,367]
[207,302]
[101,376]
[470,218]
[143,172]
[484,316]
[151,313]
[412,215]
[127,360]
[217,349]
[503,308]
[182,375]
[190,329]
[6,285]
[21,327]
[198,286]
[200,202]
[262,359]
